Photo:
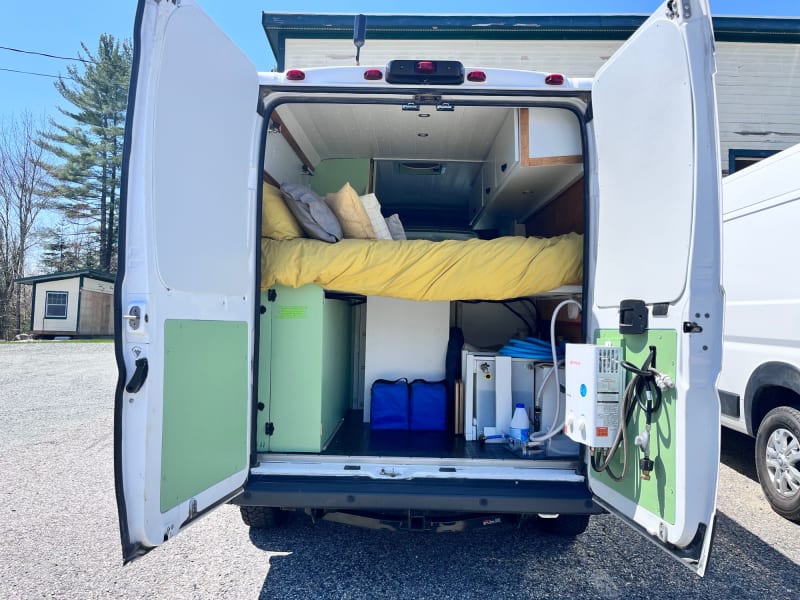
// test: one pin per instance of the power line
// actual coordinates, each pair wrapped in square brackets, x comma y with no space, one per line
[32,73]
[45,54]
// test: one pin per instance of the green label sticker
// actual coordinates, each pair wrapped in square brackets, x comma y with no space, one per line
[293,312]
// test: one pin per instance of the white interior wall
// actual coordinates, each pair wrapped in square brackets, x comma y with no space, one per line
[404,339]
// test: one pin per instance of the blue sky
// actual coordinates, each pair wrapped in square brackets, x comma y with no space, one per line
[58,27]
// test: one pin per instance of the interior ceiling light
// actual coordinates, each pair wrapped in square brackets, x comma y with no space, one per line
[424,115]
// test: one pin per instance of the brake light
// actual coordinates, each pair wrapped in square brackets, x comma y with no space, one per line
[554,79]
[426,66]
[373,74]
[477,76]
[295,75]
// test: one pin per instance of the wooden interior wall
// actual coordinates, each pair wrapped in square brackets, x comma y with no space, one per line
[562,215]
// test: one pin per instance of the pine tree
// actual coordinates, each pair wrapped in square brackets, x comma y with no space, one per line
[89,148]
[67,249]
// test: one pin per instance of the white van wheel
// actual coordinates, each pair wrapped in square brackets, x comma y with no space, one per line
[778,460]
[260,517]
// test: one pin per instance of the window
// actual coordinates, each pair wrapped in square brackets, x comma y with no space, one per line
[55,306]
[740,159]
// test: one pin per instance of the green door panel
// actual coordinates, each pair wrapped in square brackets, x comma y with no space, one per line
[658,494]
[204,428]
[296,378]
[264,379]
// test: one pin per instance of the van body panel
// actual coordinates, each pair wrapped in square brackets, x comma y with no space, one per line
[657,239]
[187,286]
[761,208]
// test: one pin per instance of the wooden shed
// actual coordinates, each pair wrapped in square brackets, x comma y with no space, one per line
[72,303]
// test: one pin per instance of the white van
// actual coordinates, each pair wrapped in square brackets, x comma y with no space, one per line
[759,385]
[247,367]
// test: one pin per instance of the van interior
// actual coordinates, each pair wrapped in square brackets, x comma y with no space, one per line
[456,175]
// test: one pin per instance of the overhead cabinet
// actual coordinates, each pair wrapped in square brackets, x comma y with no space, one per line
[537,154]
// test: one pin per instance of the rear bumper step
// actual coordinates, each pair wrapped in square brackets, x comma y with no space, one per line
[468,496]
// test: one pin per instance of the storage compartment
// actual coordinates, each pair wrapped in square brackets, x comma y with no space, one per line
[304,378]
[324,345]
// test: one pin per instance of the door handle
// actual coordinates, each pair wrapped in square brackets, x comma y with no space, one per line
[139,375]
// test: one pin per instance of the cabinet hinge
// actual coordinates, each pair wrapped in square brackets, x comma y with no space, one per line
[269,428]
[272,295]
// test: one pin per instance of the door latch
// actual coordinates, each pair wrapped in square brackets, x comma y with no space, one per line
[134,317]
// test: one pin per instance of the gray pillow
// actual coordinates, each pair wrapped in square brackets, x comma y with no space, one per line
[396,227]
[310,210]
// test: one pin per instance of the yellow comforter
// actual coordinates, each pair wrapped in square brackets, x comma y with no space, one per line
[507,267]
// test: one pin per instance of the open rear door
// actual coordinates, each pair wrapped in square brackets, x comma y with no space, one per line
[656,228]
[185,294]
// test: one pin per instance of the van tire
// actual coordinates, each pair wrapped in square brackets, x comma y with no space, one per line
[565,525]
[778,454]
[260,517]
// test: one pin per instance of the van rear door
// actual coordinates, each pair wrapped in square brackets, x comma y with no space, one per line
[656,231]
[185,298]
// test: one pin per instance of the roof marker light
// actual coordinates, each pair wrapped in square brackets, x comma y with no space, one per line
[426,66]
[295,75]
[373,74]
[477,76]
[554,79]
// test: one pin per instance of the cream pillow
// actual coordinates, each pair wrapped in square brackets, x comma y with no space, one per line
[373,208]
[277,221]
[352,215]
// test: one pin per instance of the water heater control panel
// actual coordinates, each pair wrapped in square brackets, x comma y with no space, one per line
[594,385]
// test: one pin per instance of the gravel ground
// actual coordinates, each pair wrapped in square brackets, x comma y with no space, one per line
[58,525]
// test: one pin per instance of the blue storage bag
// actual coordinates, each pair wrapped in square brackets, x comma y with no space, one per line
[428,405]
[389,404]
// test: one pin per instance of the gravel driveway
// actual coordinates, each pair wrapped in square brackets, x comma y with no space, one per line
[58,525]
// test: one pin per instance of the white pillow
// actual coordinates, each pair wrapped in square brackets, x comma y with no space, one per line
[373,208]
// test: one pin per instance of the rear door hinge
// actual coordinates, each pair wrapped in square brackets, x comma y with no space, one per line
[272,295]
[269,428]
[192,509]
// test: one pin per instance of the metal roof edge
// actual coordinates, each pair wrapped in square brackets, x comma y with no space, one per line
[280,26]
[92,273]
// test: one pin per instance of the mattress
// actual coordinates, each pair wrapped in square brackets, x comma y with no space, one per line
[498,269]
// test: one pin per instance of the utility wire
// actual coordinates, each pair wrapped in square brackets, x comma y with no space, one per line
[32,73]
[43,54]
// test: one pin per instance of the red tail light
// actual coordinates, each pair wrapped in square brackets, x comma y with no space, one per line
[295,75]
[426,66]
[373,74]
[477,76]
[554,79]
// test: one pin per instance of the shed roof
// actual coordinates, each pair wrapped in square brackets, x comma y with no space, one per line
[282,26]
[94,274]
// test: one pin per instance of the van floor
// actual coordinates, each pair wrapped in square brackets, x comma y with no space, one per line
[356,438]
